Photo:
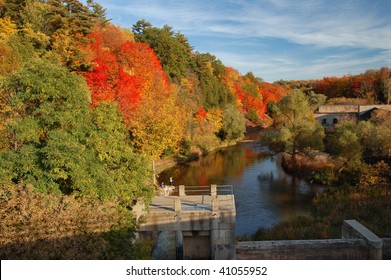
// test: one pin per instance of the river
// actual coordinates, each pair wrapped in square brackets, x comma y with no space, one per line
[264,193]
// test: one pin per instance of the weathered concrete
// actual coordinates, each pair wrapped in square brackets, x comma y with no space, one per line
[360,109]
[338,109]
[364,108]
[329,115]
[206,218]
[357,243]
[330,249]
[329,120]
[203,227]
[353,229]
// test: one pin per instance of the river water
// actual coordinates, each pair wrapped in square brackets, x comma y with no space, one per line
[264,193]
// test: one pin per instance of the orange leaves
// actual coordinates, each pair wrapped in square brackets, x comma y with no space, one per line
[200,115]
[98,81]
[272,93]
[123,70]
[255,105]
[141,60]
[252,94]
[128,93]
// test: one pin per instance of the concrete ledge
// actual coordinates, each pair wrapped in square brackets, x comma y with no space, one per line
[328,249]
[353,229]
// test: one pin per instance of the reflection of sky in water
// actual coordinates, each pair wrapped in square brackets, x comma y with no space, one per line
[264,193]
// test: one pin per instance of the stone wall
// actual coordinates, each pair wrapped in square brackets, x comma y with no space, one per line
[365,108]
[338,109]
[331,249]
[357,243]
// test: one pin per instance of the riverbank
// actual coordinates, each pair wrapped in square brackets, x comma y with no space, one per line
[163,164]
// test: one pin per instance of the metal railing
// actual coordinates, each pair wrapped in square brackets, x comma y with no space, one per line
[202,190]
[225,190]
[196,198]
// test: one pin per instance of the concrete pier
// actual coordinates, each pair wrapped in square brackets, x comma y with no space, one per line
[199,223]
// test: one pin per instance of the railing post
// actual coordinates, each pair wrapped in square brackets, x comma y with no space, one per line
[182,190]
[213,190]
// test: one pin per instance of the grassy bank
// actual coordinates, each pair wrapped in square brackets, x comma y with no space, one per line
[365,197]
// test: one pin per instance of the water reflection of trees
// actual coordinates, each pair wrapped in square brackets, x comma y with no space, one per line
[215,167]
[260,201]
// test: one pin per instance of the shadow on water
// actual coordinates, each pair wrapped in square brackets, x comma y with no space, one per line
[264,192]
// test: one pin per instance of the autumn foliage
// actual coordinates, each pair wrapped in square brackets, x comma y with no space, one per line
[108,80]
[39,226]
[252,95]
[86,105]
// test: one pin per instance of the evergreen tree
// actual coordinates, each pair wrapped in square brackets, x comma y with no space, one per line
[172,48]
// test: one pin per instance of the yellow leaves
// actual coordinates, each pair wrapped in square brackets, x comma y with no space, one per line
[158,125]
[62,44]
[48,226]
[204,132]
[37,37]
[209,66]
[7,28]
[215,119]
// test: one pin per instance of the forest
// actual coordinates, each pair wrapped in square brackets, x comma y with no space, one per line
[86,106]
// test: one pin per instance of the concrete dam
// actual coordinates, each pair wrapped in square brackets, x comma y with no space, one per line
[191,223]
[195,223]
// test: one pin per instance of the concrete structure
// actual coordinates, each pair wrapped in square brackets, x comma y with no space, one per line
[329,115]
[198,223]
[357,243]
[353,229]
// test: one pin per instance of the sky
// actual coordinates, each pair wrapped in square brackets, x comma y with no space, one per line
[274,39]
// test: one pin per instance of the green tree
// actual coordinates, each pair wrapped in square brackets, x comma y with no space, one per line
[56,28]
[234,123]
[37,226]
[60,145]
[215,93]
[172,48]
[111,145]
[387,90]
[345,145]
[315,100]
[298,132]
[351,142]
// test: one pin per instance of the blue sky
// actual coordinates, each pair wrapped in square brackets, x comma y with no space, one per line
[274,39]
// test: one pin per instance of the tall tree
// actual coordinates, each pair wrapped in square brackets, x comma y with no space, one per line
[351,142]
[234,123]
[56,152]
[299,132]
[215,93]
[172,48]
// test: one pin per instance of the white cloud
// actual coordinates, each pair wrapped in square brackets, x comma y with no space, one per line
[322,37]
[320,23]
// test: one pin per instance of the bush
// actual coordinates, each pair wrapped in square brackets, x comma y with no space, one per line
[325,176]
[296,228]
[47,226]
